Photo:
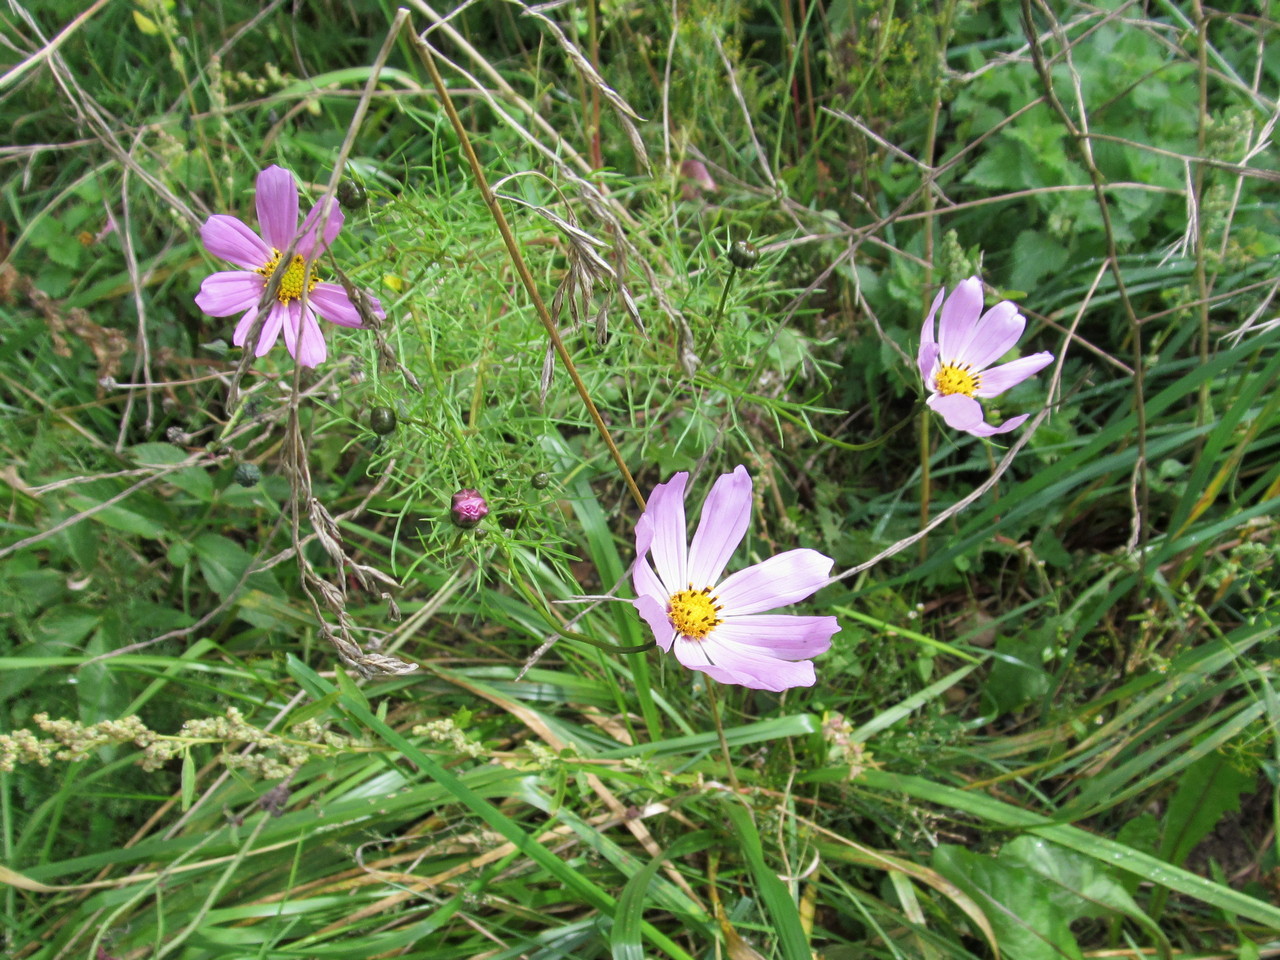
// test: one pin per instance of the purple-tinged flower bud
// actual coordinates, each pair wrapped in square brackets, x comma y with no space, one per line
[469,508]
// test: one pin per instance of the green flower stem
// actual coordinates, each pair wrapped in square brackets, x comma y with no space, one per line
[924,480]
[724,744]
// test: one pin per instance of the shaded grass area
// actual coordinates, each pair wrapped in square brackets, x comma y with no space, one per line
[354,734]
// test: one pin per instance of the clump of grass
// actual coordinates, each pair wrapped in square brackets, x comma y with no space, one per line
[1034,721]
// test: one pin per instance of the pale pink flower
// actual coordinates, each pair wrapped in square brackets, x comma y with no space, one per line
[957,365]
[719,626]
[239,291]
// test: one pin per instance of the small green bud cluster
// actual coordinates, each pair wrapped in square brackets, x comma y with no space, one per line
[68,740]
[446,731]
[275,756]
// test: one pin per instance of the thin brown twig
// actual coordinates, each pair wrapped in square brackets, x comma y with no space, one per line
[1080,134]
[426,54]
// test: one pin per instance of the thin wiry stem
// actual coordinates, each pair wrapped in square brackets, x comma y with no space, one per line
[1080,134]
[531,287]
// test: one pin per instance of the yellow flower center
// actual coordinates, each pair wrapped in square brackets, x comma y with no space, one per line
[293,278]
[953,379]
[694,612]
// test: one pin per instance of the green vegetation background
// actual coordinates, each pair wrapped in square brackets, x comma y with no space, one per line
[1046,729]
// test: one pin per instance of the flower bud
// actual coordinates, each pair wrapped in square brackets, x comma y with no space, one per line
[248,474]
[382,420]
[469,508]
[352,195]
[743,254]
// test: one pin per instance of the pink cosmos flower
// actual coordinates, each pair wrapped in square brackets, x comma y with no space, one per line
[957,366]
[239,291]
[719,626]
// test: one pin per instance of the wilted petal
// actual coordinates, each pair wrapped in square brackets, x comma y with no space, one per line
[661,529]
[775,582]
[725,516]
[781,636]
[992,337]
[228,292]
[331,302]
[232,239]
[277,202]
[959,314]
[999,379]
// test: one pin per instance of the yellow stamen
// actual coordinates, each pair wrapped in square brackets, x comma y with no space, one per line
[952,378]
[694,612]
[295,275]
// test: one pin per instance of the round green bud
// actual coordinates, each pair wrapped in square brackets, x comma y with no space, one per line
[248,474]
[352,195]
[382,420]
[743,254]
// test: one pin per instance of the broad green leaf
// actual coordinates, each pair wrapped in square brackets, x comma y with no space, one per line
[1207,790]
[117,517]
[223,563]
[1029,922]
[1107,851]
[778,901]
[1082,887]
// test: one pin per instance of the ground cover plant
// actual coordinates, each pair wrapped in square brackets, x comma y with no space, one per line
[618,480]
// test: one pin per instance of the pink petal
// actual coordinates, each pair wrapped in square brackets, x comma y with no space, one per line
[772,583]
[661,529]
[292,314]
[780,636]
[277,202]
[232,239]
[992,337]
[965,413]
[928,342]
[307,243]
[743,666]
[276,320]
[999,379]
[927,360]
[331,302]
[959,314]
[960,412]
[647,584]
[725,516]
[312,349]
[228,292]
[655,614]
[244,326]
